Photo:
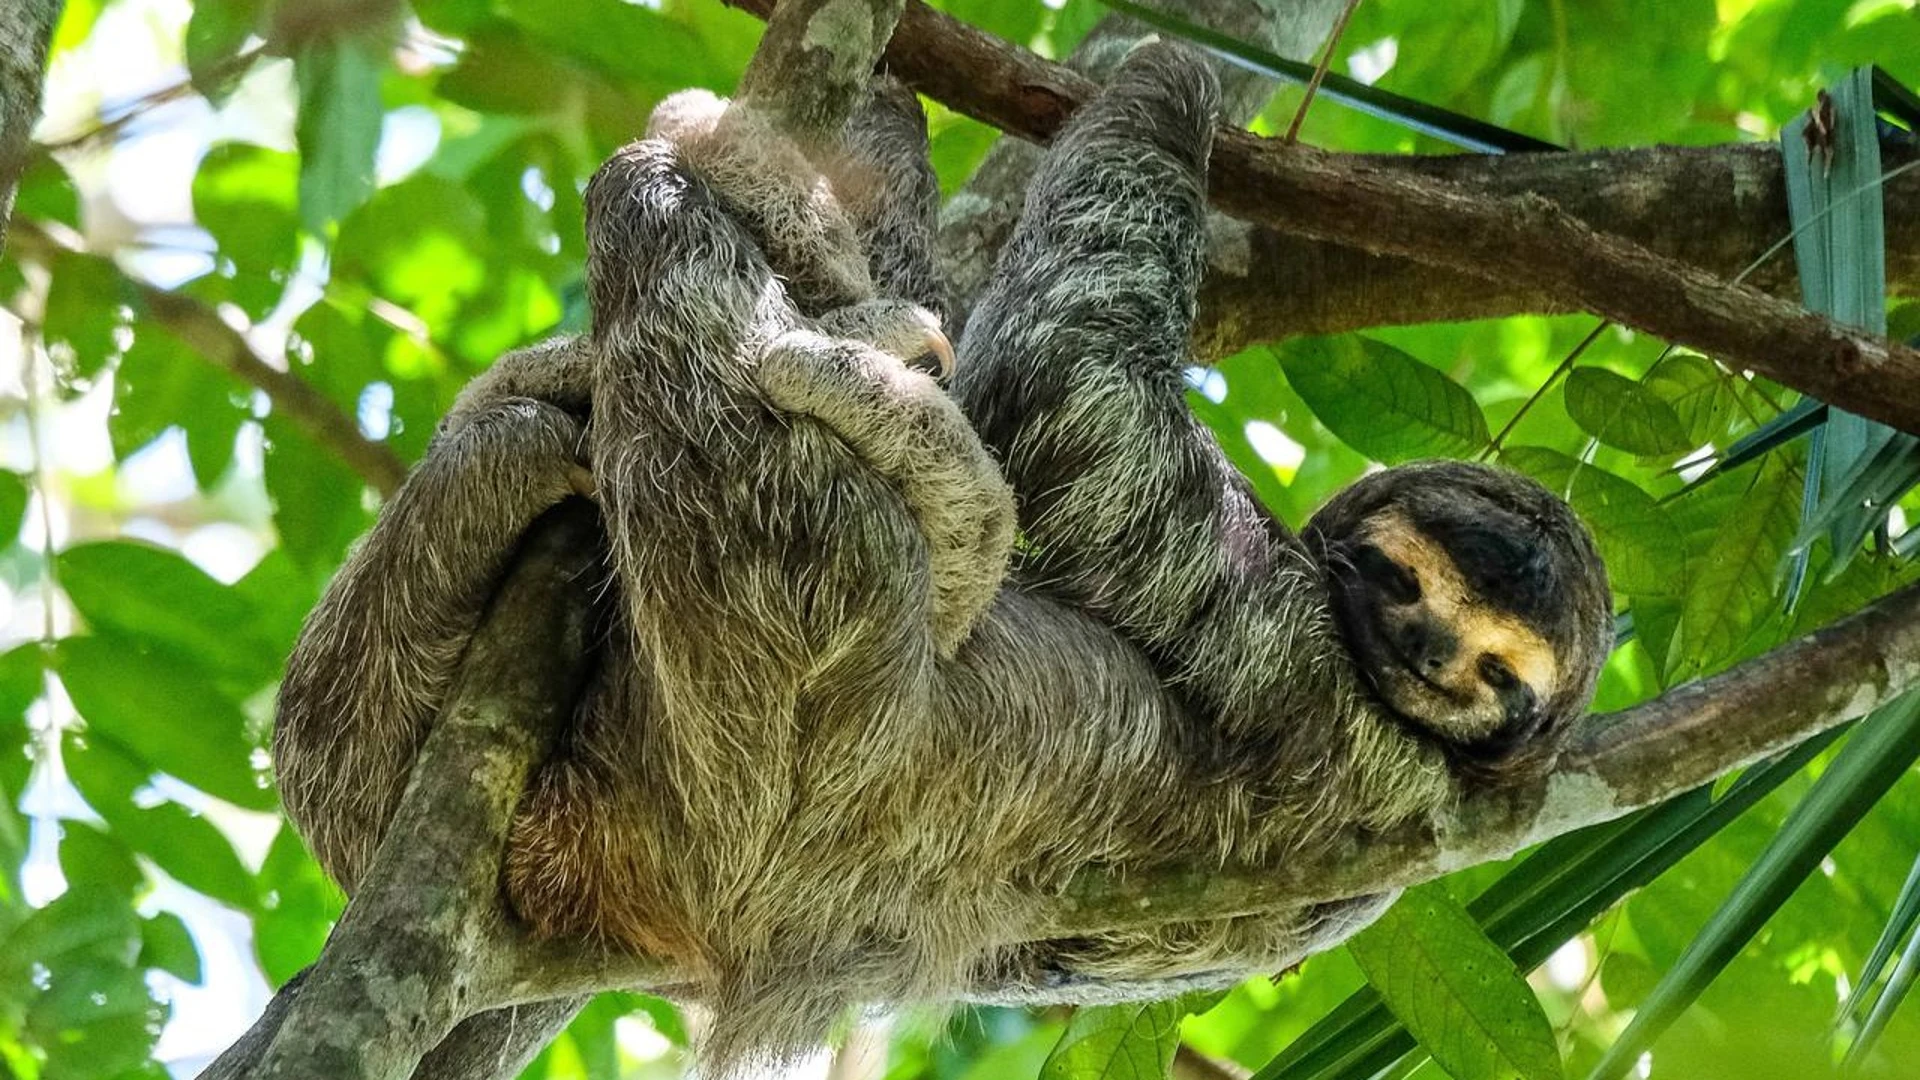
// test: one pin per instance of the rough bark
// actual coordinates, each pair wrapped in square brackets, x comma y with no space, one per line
[426,940]
[26,30]
[980,217]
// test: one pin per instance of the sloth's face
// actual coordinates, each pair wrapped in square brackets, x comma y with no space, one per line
[1421,608]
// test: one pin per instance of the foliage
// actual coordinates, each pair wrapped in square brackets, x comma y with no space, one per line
[385,199]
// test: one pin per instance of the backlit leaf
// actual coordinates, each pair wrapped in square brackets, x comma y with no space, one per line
[1382,402]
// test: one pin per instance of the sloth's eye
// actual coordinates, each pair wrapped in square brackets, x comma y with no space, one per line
[1395,582]
[1497,674]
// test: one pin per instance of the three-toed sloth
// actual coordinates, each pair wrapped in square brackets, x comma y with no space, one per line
[836,750]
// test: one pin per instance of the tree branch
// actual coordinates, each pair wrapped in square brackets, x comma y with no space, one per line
[423,944]
[1524,241]
[813,64]
[980,217]
[224,347]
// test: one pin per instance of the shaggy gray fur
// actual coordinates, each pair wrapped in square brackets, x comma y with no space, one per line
[823,761]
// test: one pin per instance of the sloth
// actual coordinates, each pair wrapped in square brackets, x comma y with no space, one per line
[844,734]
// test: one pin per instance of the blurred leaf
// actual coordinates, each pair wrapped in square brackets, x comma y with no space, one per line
[1134,1041]
[165,713]
[1457,992]
[166,946]
[147,592]
[1882,748]
[89,857]
[46,193]
[1622,413]
[159,385]
[180,842]
[248,197]
[338,126]
[87,304]
[1638,541]
[1382,402]
[297,910]
[215,32]
[316,499]
[1899,924]
[15,491]
[607,36]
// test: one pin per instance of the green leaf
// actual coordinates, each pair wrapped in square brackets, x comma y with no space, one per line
[1882,748]
[1740,528]
[149,593]
[180,842]
[159,385]
[316,500]
[1699,393]
[1382,402]
[46,193]
[88,303]
[338,127]
[248,197]
[1637,539]
[215,32]
[15,491]
[1624,414]
[1457,992]
[164,712]
[166,945]
[1135,1041]
[297,910]
[94,858]
[1905,916]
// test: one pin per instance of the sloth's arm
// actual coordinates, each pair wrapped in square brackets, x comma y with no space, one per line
[904,427]
[1073,362]
[376,655]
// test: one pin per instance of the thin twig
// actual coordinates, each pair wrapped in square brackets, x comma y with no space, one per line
[1320,71]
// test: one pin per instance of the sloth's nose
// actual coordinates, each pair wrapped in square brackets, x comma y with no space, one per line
[1427,646]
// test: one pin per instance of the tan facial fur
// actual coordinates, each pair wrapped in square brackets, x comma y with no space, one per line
[1455,697]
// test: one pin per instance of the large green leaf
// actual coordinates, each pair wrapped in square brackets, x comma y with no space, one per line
[182,843]
[1739,530]
[148,593]
[1382,402]
[161,384]
[1135,1041]
[338,126]
[164,712]
[1457,992]
[1622,413]
[297,908]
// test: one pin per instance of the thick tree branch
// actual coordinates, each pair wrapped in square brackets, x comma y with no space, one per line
[1716,207]
[1524,241]
[980,217]
[201,327]
[814,62]
[426,937]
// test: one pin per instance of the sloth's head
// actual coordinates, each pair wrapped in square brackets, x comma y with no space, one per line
[1473,602]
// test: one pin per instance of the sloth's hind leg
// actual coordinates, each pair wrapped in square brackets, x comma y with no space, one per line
[378,652]
[906,429]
